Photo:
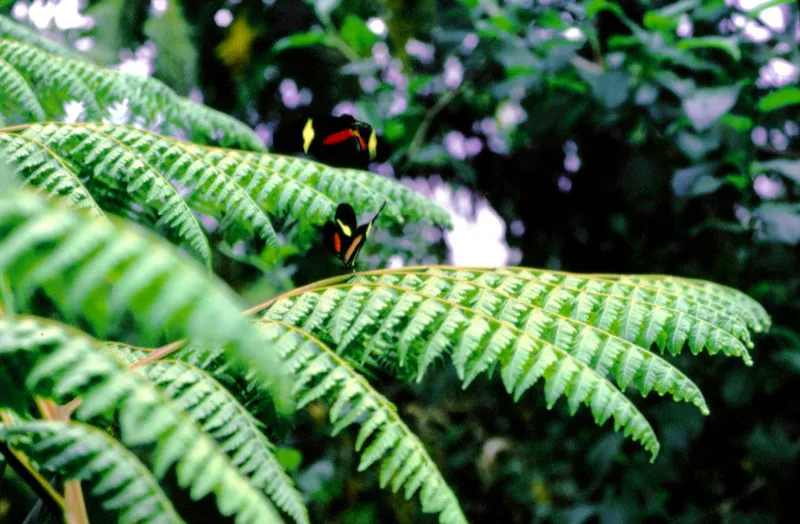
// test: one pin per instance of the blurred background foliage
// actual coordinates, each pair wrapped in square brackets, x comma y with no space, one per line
[633,136]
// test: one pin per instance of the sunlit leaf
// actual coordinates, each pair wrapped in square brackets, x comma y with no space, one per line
[783,97]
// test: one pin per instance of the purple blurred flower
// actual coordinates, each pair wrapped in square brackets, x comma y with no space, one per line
[399,104]
[685,27]
[497,145]
[767,188]
[759,136]
[223,17]
[777,73]
[470,42]
[368,84]
[473,146]
[453,72]
[346,108]
[510,114]
[420,50]
[291,96]
[394,74]
[517,228]
[264,133]
[454,144]
[564,184]
[779,140]
[380,53]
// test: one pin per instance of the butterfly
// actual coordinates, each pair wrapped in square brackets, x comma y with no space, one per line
[340,141]
[343,237]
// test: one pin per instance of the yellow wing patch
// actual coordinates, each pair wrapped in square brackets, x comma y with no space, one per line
[345,228]
[308,135]
[372,145]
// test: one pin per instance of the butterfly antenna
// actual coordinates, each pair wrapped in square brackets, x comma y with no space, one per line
[379,211]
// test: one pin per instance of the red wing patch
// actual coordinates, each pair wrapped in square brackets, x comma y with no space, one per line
[337,243]
[338,137]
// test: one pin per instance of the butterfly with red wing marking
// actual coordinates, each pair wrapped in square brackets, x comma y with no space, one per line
[340,141]
[344,237]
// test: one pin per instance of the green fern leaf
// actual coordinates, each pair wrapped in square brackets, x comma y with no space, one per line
[102,157]
[55,363]
[604,351]
[43,169]
[103,271]
[215,409]
[114,163]
[572,331]
[320,374]
[52,82]
[113,474]
[18,95]
[58,79]
[323,375]
[342,185]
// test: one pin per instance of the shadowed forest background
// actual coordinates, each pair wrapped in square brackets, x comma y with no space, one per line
[626,137]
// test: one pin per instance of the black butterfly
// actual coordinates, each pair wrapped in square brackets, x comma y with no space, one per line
[339,141]
[343,237]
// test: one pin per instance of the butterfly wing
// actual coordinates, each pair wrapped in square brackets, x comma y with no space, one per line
[345,219]
[351,251]
[332,238]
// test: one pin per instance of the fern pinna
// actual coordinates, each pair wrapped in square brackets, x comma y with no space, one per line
[148,429]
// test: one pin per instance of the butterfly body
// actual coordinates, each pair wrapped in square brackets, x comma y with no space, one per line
[344,237]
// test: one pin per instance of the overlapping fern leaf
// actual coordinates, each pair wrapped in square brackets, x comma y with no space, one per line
[52,362]
[104,271]
[220,414]
[114,475]
[383,437]
[587,337]
[42,78]
[321,374]
[173,179]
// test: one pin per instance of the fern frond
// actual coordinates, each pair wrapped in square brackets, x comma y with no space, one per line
[645,311]
[420,328]
[321,374]
[572,331]
[220,415]
[720,298]
[241,191]
[102,157]
[220,196]
[115,476]
[601,350]
[340,185]
[52,82]
[18,95]
[105,270]
[59,79]
[383,436]
[55,363]
[50,174]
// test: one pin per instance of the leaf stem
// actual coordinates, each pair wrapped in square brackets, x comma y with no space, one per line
[49,496]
